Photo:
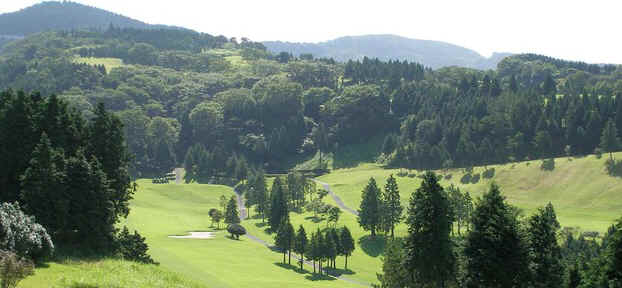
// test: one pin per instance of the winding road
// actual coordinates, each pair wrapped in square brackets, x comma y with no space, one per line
[244,214]
[336,198]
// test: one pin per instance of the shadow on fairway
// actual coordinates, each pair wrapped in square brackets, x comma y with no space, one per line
[292,267]
[315,219]
[373,246]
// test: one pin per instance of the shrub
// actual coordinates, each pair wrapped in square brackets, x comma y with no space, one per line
[489,173]
[13,269]
[236,230]
[133,247]
[475,178]
[20,234]
[448,176]
[548,164]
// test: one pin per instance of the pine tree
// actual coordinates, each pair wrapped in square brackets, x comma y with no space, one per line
[547,268]
[338,245]
[260,194]
[347,243]
[42,187]
[301,244]
[609,140]
[284,238]
[278,207]
[429,255]
[495,251]
[231,212]
[394,272]
[613,268]
[330,249]
[369,211]
[314,248]
[107,143]
[392,206]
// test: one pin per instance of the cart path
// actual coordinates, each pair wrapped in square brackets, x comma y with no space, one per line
[243,215]
[336,198]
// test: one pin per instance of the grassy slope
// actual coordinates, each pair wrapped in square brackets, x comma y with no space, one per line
[169,209]
[109,63]
[581,191]
[105,273]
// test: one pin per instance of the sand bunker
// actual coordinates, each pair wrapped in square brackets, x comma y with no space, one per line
[195,235]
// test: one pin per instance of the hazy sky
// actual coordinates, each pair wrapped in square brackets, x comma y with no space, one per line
[577,30]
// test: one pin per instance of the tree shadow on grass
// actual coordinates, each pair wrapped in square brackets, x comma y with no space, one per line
[315,219]
[293,267]
[373,246]
[318,277]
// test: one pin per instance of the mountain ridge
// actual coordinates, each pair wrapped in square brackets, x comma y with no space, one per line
[434,54]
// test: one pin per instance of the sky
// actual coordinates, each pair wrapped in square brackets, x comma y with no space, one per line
[574,30]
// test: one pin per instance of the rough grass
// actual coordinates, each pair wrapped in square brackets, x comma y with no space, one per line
[105,273]
[109,63]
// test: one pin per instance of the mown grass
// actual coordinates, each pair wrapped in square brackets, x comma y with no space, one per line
[109,63]
[583,194]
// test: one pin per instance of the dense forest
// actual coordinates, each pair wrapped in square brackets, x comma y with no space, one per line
[201,101]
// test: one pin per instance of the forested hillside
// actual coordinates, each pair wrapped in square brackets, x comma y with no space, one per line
[53,15]
[219,106]
[433,54]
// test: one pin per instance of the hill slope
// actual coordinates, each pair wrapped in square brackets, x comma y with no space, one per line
[433,54]
[48,16]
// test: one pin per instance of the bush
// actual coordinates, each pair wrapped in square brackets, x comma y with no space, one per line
[20,234]
[548,164]
[466,179]
[236,230]
[598,153]
[448,176]
[13,269]
[133,247]
[489,173]
[475,178]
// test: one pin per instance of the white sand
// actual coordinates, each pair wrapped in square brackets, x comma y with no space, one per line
[195,235]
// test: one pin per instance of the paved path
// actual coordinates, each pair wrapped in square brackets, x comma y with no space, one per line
[243,215]
[336,198]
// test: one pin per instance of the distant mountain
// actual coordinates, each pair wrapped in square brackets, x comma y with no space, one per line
[434,54]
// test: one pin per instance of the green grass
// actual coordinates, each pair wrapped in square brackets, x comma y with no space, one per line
[105,273]
[109,63]
[583,194]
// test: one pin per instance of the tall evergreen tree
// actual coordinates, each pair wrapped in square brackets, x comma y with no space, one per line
[392,206]
[495,251]
[369,211]
[278,207]
[231,212]
[301,244]
[43,187]
[285,238]
[107,144]
[429,255]
[547,268]
[613,269]
[260,194]
[347,243]
[394,272]
[609,140]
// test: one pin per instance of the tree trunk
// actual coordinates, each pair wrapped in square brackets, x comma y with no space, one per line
[313,266]
[320,158]
[289,254]
[373,232]
[459,226]
[346,262]
[284,252]
[392,229]
[302,260]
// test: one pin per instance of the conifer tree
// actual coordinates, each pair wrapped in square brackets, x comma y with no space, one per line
[278,207]
[369,211]
[285,237]
[495,251]
[394,272]
[429,250]
[347,243]
[609,140]
[547,268]
[392,206]
[231,212]
[260,194]
[301,244]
